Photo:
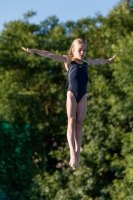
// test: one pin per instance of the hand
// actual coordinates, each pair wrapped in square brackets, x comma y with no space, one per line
[28,50]
[111,59]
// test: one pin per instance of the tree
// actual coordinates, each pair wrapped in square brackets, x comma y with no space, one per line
[31,84]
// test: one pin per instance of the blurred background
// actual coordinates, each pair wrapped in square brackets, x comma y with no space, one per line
[34,153]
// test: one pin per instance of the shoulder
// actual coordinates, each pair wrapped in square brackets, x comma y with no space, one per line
[85,61]
[68,59]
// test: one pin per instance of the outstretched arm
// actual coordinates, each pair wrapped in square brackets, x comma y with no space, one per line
[48,54]
[99,61]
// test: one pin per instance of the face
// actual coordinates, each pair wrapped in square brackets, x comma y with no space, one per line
[79,50]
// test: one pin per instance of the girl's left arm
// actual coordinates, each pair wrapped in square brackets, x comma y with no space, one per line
[99,61]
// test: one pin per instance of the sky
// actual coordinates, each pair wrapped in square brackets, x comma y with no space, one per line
[11,10]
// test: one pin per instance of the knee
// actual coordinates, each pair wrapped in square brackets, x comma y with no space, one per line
[71,122]
[79,124]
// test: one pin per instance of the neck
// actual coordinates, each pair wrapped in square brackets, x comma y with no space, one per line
[78,60]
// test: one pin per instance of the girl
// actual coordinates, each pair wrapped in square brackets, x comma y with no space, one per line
[76,103]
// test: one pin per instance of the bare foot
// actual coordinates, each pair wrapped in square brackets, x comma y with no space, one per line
[72,162]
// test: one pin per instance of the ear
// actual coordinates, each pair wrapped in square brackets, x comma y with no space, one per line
[72,50]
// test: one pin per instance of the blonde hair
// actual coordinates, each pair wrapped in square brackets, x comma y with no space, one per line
[78,40]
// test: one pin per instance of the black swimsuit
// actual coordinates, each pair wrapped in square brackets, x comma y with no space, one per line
[78,79]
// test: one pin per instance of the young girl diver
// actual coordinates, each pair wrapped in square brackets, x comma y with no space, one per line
[76,105]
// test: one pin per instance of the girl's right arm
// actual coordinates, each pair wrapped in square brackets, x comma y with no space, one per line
[48,54]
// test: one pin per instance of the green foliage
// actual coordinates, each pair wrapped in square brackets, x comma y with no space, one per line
[34,150]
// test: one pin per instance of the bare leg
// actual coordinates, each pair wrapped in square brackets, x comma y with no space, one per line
[81,113]
[71,113]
